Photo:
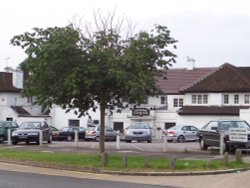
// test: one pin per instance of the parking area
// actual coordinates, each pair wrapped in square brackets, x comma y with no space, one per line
[156,148]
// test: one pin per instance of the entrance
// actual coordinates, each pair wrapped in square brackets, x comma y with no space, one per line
[118,126]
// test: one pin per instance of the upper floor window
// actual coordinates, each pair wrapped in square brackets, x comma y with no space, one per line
[247,99]
[236,99]
[30,99]
[199,99]
[163,100]
[178,102]
[226,99]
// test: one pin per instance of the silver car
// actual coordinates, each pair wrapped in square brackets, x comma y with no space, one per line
[181,133]
[140,131]
[93,133]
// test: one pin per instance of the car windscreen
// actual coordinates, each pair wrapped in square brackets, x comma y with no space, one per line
[139,126]
[30,125]
[226,125]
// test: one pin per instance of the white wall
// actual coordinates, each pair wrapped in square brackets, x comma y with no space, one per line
[245,115]
[61,118]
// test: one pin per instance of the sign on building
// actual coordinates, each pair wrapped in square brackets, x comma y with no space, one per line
[238,134]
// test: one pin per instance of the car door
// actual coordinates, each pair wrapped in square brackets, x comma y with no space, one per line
[46,131]
[109,133]
[193,133]
[212,136]
[185,131]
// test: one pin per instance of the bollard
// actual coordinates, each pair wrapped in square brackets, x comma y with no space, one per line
[238,156]
[172,164]
[165,143]
[225,158]
[9,136]
[118,140]
[222,143]
[40,137]
[76,138]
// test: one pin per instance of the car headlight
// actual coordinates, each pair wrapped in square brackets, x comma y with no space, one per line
[128,132]
[14,133]
[33,134]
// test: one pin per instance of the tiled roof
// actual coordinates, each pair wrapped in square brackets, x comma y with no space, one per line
[177,79]
[211,110]
[6,83]
[20,110]
[227,78]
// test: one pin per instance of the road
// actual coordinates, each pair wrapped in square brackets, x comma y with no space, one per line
[20,176]
[14,179]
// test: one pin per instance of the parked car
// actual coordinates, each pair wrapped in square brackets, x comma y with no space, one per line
[68,133]
[54,132]
[93,133]
[181,133]
[140,131]
[4,126]
[30,132]
[209,135]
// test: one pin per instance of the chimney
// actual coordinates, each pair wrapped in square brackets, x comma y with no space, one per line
[17,79]
[191,63]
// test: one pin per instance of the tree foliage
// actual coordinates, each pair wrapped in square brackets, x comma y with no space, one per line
[78,72]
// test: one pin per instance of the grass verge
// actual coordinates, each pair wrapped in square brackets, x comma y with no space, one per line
[116,162]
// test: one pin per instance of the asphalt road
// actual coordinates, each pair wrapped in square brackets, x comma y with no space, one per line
[11,179]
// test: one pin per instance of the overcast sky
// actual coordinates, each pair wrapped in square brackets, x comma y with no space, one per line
[210,31]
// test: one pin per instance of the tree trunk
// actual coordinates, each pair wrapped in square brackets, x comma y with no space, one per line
[102,127]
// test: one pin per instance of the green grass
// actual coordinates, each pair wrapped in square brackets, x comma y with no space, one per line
[116,162]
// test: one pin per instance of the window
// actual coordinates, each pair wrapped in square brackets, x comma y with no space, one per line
[193,99]
[74,123]
[175,102]
[30,99]
[163,100]
[236,99]
[205,99]
[226,99]
[178,102]
[247,99]
[199,99]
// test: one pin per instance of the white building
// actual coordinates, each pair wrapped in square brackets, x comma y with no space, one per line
[190,96]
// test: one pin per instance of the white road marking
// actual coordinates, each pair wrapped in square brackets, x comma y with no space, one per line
[137,147]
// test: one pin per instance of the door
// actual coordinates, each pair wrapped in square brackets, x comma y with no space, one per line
[186,132]
[193,133]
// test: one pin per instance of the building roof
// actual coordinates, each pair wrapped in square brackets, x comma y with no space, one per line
[227,78]
[177,79]
[211,110]
[6,84]
[20,111]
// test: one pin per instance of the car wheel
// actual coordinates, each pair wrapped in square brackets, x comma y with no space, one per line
[97,139]
[149,141]
[203,145]
[14,142]
[128,141]
[69,138]
[181,138]
[170,140]
[27,142]
[37,142]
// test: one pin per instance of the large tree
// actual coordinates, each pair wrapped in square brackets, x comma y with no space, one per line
[81,72]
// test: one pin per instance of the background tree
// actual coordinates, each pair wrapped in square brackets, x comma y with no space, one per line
[99,70]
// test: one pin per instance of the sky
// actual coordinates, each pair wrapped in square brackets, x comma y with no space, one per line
[211,32]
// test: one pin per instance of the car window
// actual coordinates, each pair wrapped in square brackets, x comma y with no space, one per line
[210,125]
[30,125]
[108,129]
[139,126]
[225,125]
[14,125]
[65,129]
[81,129]
[185,128]
[193,128]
